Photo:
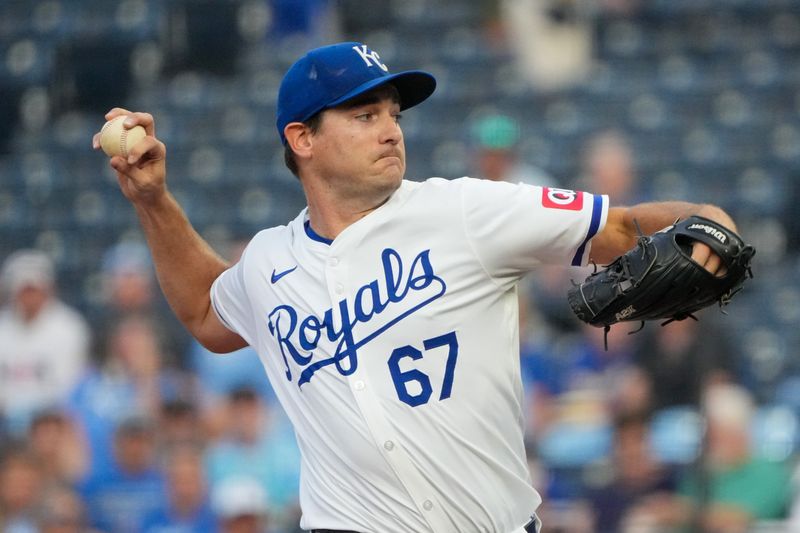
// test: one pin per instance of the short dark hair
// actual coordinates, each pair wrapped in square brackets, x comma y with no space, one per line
[313,124]
[382,91]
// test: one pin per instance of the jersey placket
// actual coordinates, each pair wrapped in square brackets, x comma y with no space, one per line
[385,438]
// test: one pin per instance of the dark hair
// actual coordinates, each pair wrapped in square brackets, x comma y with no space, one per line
[243,393]
[382,91]
[312,124]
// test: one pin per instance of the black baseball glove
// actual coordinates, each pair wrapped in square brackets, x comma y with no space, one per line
[659,280]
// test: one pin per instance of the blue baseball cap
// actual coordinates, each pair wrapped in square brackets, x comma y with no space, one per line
[331,75]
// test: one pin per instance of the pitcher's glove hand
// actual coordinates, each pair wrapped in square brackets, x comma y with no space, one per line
[658,280]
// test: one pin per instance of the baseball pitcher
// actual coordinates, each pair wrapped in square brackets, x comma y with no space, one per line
[385,313]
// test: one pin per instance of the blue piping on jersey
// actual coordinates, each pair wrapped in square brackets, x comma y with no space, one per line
[594,225]
[314,236]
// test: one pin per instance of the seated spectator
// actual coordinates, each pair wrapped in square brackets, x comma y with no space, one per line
[45,343]
[258,443]
[179,425]
[186,508]
[241,505]
[132,381]
[128,285]
[20,492]
[128,280]
[682,358]
[131,487]
[58,447]
[638,485]
[494,139]
[62,511]
[608,371]
[608,168]
[551,40]
[734,489]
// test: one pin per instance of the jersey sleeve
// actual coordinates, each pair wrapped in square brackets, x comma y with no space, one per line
[516,227]
[230,301]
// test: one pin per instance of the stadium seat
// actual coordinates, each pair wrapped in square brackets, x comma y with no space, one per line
[568,445]
[775,432]
[676,435]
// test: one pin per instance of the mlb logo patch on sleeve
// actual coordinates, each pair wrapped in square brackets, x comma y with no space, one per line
[562,199]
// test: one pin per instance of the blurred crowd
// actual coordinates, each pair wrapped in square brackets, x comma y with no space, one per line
[113,420]
[106,427]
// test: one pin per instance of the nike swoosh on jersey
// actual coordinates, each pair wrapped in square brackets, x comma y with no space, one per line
[278,275]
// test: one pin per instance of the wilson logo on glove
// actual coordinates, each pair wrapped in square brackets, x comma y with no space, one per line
[714,232]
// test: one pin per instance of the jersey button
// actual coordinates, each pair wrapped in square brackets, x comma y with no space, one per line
[359,385]
[427,505]
[333,261]
[339,288]
[389,445]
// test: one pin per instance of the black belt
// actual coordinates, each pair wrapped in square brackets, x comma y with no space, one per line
[530,527]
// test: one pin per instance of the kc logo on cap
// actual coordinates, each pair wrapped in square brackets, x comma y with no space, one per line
[331,75]
[370,57]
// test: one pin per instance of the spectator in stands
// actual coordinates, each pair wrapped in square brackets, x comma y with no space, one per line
[678,361]
[639,486]
[258,443]
[20,492]
[494,139]
[63,511]
[132,381]
[128,284]
[608,168]
[45,343]
[187,507]
[735,488]
[56,443]
[131,487]
[607,371]
[128,288]
[179,425]
[551,40]
[242,506]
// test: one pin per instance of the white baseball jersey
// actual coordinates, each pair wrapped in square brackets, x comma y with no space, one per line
[40,361]
[394,350]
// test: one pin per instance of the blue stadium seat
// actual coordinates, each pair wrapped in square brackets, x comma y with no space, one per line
[775,432]
[676,435]
[570,445]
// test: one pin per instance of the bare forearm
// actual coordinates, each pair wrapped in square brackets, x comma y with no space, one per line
[185,264]
[654,216]
[621,228]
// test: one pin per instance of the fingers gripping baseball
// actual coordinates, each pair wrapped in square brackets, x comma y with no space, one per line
[142,176]
[141,169]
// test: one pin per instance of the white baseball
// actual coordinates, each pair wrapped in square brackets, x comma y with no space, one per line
[116,139]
